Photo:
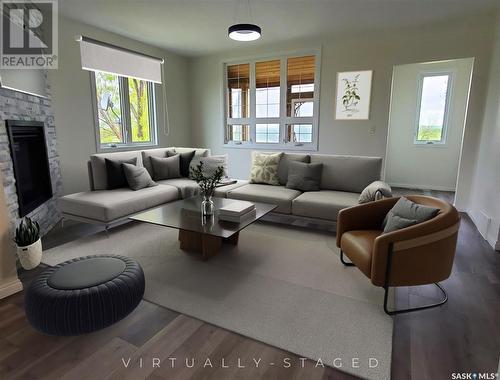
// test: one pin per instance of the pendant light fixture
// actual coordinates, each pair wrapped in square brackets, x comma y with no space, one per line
[245,32]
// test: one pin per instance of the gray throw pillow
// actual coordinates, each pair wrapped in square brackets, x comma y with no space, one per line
[165,167]
[185,160]
[406,213]
[396,222]
[304,177]
[375,191]
[137,177]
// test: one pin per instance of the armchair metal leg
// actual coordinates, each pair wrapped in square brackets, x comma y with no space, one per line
[401,311]
[347,264]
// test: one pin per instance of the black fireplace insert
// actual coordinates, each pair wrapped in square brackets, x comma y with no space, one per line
[31,164]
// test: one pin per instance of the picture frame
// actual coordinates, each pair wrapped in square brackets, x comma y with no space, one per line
[353,95]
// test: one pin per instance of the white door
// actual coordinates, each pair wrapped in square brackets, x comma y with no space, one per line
[426,124]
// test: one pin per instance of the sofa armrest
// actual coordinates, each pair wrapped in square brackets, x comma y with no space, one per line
[91,176]
[368,216]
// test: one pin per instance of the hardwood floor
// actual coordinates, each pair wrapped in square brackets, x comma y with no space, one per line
[461,336]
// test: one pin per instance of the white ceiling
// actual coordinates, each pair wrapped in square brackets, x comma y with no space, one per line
[197,27]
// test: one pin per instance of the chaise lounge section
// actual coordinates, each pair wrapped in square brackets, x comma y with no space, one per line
[107,207]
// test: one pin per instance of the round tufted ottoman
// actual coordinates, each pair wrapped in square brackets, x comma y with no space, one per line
[84,294]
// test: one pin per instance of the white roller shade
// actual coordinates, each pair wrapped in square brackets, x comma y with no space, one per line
[97,56]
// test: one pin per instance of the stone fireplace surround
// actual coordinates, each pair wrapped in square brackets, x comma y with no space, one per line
[15,105]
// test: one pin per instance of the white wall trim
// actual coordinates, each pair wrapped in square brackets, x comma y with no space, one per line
[421,187]
[10,288]
[484,232]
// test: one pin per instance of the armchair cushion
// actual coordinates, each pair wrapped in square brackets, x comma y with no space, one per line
[375,191]
[406,213]
[358,246]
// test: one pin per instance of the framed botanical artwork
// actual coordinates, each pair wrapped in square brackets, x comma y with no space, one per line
[353,95]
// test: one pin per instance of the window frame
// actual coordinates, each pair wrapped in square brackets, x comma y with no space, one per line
[126,122]
[283,120]
[449,93]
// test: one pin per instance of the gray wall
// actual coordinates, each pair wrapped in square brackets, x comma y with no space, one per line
[73,106]
[378,51]
[485,199]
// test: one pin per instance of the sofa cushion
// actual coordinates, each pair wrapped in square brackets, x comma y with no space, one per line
[202,152]
[147,154]
[277,195]
[98,164]
[284,164]
[324,204]
[115,175]
[222,191]
[304,177]
[165,167]
[348,173]
[108,205]
[186,187]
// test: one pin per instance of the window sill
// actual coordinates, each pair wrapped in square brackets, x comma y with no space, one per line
[430,145]
[277,147]
[124,148]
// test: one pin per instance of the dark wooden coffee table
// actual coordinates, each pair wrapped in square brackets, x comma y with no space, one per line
[197,233]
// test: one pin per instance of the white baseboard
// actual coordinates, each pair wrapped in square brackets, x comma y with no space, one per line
[10,288]
[421,187]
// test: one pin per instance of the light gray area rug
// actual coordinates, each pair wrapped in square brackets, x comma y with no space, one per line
[283,286]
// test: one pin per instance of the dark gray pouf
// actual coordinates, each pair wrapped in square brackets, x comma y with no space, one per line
[84,294]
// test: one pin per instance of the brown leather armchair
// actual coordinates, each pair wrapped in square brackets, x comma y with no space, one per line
[417,255]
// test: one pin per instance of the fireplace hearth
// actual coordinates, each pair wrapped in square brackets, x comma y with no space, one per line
[31,165]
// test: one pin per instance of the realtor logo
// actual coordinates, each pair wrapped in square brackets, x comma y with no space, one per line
[29,34]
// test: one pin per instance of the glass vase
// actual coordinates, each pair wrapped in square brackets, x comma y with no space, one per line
[207,206]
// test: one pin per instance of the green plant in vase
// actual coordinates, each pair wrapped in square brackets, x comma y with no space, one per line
[29,243]
[207,183]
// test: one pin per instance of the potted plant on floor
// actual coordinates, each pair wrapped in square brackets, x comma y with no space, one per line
[207,182]
[29,243]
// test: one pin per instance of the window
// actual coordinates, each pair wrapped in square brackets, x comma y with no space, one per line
[273,102]
[238,84]
[238,133]
[432,111]
[125,111]
[267,89]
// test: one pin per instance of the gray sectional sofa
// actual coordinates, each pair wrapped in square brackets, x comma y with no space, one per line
[343,179]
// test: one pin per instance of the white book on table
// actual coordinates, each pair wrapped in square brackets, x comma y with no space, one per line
[236,208]
[236,218]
